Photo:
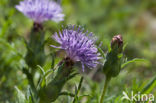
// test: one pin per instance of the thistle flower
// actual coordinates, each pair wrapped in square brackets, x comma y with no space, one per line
[41,10]
[79,46]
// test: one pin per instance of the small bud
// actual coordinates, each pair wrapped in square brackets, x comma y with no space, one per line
[112,64]
[117,43]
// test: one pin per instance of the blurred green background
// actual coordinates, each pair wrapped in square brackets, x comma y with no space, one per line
[135,20]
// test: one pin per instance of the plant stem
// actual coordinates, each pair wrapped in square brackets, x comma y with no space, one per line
[30,80]
[104,89]
[52,91]
[79,87]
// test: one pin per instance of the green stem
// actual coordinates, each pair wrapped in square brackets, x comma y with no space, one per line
[79,87]
[52,91]
[104,89]
[30,80]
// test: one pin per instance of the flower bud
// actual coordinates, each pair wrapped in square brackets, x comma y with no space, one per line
[117,43]
[112,64]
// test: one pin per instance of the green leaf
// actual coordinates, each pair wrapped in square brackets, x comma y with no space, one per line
[132,61]
[41,69]
[48,72]
[7,23]
[67,94]
[109,47]
[109,98]
[29,96]
[149,86]
[124,46]
[72,76]
[76,89]
[102,53]
[120,55]
[20,96]
[85,95]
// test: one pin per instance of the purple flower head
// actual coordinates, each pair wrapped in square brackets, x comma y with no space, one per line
[41,10]
[79,46]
